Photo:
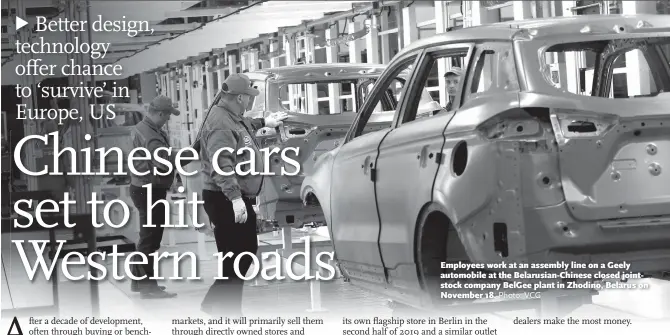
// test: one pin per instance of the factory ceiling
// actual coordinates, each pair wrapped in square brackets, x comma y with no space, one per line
[179,29]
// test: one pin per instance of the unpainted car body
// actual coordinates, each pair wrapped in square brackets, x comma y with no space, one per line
[522,171]
[311,128]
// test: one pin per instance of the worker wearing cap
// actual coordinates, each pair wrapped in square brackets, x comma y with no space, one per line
[228,196]
[149,135]
[452,79]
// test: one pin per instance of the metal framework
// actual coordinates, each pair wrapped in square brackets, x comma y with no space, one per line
[354,36]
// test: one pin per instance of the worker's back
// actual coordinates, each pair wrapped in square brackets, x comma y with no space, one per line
[223,130]
[147,135]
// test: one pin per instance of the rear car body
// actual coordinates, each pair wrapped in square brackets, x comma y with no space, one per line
[526,168]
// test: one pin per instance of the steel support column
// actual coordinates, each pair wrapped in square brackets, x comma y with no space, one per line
[547,7]
[172,85]
[573,60]
[441,25]
[244,61]
[253,60]
[188,86]
[181,120]
[196,85]
[385,43]
[158,77]
[232,64]
[165,82]
[638,75]
[180,87]
[399,14]
[165,89]
[290,47]
[410,30]
[332,56]
[310,56]
[372,41]
[354,46]
[274,46]
[311,94]
[355,54]
[168,85]
[210,90]
[221,63]
[522,10]
[264,63]
[481,15]
[199,98]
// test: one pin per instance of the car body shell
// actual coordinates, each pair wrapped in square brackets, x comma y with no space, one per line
[502,179]
[278,203]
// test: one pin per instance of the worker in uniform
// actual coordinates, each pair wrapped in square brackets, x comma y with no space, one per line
[452,79]
[148,134]
[228,197]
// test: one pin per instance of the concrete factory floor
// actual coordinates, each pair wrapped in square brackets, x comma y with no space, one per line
[262,298]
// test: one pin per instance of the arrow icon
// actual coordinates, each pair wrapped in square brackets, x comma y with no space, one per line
[20,23]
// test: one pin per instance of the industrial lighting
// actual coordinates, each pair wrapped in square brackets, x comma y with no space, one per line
[348,38]
[500,5]
[597,4]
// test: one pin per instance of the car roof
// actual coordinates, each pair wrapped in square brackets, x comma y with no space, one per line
[317,72]
[598,24]
[546,28]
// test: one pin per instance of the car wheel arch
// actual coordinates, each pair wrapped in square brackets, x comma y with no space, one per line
[432,226]
[309,196]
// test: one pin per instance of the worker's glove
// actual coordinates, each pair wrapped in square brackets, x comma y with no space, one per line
[275,119]
[240,209]
[207,229]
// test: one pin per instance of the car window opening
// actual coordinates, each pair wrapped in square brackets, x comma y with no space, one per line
[436,97]
[386,101]
[603,70]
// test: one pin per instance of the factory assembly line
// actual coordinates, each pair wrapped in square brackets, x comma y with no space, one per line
[521,172]
[520,115]
[498,166]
